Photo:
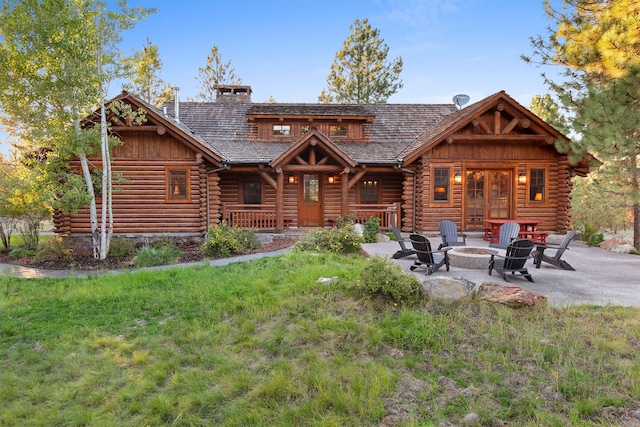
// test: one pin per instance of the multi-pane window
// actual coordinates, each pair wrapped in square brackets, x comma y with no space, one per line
[177,184]
[281,130]
[251,192]
[338,131]
[537,184]
[369,192]
[441,181]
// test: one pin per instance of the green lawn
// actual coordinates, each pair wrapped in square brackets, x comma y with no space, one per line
[261,343]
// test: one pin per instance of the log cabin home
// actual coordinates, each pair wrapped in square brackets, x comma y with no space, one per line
[277,166]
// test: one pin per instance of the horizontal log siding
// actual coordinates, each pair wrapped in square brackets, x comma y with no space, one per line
[332,202]
[140,204]
[555,212]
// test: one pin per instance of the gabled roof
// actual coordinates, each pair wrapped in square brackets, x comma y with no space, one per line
[313,137]
[456,121]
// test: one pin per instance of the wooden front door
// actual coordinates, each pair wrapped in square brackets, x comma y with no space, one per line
[488,195]
[310,200]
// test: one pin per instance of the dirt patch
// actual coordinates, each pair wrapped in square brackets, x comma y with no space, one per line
[84,261]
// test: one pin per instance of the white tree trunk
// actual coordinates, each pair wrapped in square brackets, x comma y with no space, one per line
[93,212]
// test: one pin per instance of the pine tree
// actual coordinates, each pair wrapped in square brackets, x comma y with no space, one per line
[598,45]
[360,73]
[145,66]
[215,72]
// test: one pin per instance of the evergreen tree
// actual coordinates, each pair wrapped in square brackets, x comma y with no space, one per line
[215,72]
[145,66]
[598,45]
[360,73]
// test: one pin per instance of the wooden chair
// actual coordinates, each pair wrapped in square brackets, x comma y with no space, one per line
[404,251]
[539,254]
[431,259]
[449,234]
[518,252]
[508,232]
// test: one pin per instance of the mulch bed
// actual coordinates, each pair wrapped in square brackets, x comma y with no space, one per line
[85,261]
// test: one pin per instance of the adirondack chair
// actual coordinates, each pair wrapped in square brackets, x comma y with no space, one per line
[449,234]
[508,232]
[518,252]
[431,259]
[539,254]
[404,251]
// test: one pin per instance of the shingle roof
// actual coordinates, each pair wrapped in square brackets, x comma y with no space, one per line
[394,127]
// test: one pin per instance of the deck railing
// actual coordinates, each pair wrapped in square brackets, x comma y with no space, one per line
[249,216]
[263,217]
[388,214]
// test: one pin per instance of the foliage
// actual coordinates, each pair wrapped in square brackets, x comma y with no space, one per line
[147,84]
[223,240]
[21,252]
[545,107]
[215,72]
[360,73]
[371,230]
[53,249]
[149,256]
[340,239]
[597,44]
[382,278]
[595,239]
[122,247]
[261,343]
[596,203]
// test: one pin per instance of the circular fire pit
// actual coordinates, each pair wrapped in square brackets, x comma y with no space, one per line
[471,257]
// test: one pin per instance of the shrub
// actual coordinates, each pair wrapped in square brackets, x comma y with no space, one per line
[21,252]
[595,239]
[122,247]
[371,230]
[149,256]
[223,240]
[383,279]
[342,240]
[52,249]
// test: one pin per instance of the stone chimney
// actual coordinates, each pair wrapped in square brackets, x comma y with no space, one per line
[233,94]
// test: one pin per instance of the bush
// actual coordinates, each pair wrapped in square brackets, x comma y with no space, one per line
[223,241]
[21,252]
[383,279]
[342,240]
[122,247]
[371,230]
[595,239]
[150,256]
[52,249]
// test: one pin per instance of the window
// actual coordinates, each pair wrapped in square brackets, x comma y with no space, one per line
[369,192]
[338,131]
[177,184]
[441,182]
[537,185]
[251,192]
[281,130]
[306,129]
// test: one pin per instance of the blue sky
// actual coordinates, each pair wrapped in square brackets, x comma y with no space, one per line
[284,48]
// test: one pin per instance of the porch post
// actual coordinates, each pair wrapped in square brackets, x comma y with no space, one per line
[279,201]
[344,193]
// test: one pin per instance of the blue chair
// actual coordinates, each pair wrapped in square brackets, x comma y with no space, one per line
[449,234]
[518,252]
[508,233]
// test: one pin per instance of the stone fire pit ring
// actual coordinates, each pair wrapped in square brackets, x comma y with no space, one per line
[472,257]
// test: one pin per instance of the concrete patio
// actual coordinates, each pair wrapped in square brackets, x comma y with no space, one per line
[601,277]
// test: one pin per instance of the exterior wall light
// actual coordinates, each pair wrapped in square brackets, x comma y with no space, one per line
[457,178]
[293,179]
[522,178]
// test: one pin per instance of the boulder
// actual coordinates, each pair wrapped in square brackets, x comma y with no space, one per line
[510,295]
[447,289]
[622,249]
[610,243]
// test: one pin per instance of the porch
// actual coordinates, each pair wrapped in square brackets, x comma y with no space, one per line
[264,217]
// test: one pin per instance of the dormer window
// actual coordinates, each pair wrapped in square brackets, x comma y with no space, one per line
[338,131]
[281,130]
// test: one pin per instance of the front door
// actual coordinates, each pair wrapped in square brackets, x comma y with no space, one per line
[310,200]
[488,196]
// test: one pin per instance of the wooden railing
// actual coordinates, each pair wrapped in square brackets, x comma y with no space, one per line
[249,216]
[388,214]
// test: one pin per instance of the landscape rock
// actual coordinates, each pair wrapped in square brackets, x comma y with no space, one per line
[446,289]
[610,243]
[510,295]
[622,249]
[382,238]
[327,280]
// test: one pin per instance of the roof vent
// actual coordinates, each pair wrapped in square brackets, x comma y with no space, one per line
[233,94]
